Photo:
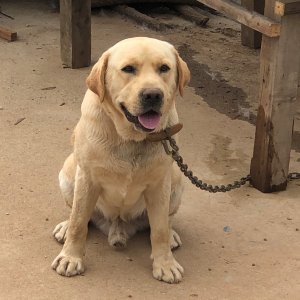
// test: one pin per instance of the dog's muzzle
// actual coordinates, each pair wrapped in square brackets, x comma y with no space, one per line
[147,121]
[151,101]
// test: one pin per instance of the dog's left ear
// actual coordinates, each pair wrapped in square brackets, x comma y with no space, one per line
[96,79]
[183,72]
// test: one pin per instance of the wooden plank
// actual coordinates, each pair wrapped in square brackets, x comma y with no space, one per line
[102,3]
[251,19]
[286,7]
[280,68]
[75,33]
[7,34]
[252,38]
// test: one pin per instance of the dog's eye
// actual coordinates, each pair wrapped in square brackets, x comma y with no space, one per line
[164,68]
[129,69]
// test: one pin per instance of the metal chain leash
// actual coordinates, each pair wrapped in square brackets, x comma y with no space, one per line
[199,183]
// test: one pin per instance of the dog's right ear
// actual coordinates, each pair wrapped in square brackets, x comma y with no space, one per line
[184,74]
[96,79]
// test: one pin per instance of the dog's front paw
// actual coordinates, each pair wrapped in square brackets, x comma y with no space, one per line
[167,269]
[67,265]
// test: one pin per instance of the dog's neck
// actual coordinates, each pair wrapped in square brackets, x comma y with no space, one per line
[164,134]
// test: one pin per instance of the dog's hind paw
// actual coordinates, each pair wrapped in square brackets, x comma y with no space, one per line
[175,241]
[60,231]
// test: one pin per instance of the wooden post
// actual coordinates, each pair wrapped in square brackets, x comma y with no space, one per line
[279,67]
[252,38]
[286,7]
[75,33]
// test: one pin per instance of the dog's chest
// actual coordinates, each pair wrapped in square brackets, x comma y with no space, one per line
[136,154]
[125,174]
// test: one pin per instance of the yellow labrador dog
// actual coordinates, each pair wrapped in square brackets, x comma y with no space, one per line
[116,177]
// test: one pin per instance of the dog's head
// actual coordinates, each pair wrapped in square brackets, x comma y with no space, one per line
[137,80]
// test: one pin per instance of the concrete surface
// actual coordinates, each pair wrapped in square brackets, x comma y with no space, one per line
[238,245]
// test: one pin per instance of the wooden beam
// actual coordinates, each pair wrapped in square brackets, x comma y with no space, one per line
[286,7]
[75,33]
[102,3]
[191,14]
[280,68]
[7,34]
[252,38]
[251,19]
[140,17]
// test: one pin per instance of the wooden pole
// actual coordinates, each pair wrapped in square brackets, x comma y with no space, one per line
[280,68]
[252,38]
[251,19]
[75,33]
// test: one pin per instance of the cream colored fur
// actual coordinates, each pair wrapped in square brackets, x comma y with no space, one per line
[115,177]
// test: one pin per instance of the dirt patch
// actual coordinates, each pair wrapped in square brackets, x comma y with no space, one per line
[219,94]
[215,90]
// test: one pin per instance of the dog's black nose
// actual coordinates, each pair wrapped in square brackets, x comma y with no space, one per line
[151,99]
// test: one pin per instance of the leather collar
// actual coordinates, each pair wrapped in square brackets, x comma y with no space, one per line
[164,134]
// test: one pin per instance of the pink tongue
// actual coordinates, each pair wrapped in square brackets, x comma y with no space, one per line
[149,120]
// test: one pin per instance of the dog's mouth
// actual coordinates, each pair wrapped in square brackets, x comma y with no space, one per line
[147,121]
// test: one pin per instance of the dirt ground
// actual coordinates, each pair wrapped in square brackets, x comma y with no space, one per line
[238,245]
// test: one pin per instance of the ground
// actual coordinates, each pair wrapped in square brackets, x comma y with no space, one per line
[238,245]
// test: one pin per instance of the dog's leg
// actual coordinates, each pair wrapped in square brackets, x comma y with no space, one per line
[165,267]
[69,261]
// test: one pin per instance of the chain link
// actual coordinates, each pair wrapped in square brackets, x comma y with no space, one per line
[199,183]
[294,175]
